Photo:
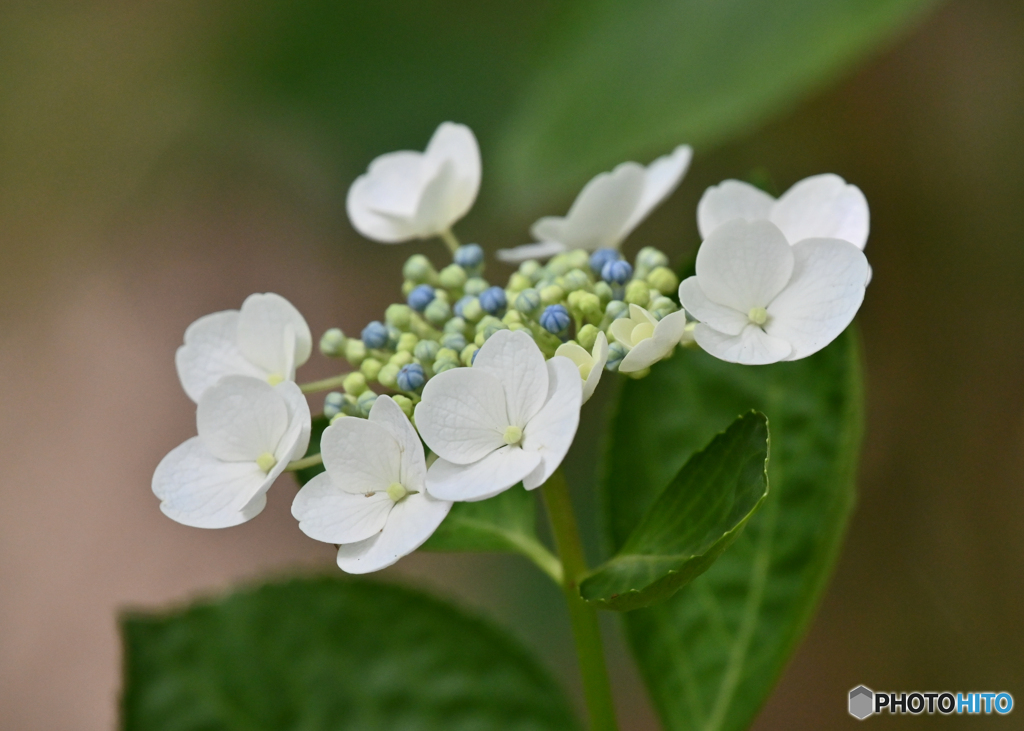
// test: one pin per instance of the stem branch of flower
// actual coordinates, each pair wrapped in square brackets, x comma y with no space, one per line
[586,631]
[325,384]
[449,239]
[301,464]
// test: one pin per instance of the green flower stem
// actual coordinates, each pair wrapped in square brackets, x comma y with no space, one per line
[325,384]
[449,239]
[301,464]
[597,688]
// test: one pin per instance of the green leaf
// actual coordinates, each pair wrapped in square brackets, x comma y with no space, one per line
[320,422]
[700,513]
[328,654]
[634,79]
[712,653]
[504,523]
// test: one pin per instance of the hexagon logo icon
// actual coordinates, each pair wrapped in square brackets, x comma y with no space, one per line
[862,702]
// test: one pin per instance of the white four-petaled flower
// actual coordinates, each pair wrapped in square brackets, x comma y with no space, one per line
[416,195]
[648,339]
[608,208]
[510,417]
[248,432]
[372,497]
[590,365]
[267,339]
[760,300]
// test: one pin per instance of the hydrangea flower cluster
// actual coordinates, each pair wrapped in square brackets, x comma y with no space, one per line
[490,373]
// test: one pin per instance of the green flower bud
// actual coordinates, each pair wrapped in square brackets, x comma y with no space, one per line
[401,359]
[404,403]
[426,351]
[455,325]
[421,329]
[452,277]
[366,399]
[589,305]
[637,293]
[408,286]
[446,354]
[650,258]
[613,311]
[335,418]
[397,315]
[446,365]
[440,294]
[639,374]
[467,354]
[406,342]
[531,269]
[527,301]
[575,279]
[472,311]
[438,312]
[551,295]
[518,282]
[663,305]
[493,328]
[559,265]
[515,326]
[587,336]
[388,376]
[604,291]
[484,322]
[355,351]
[418,269]
[354,383]
[663,279]
[475,285]
[370,368]
[332,343]
[512,317]
[578,258]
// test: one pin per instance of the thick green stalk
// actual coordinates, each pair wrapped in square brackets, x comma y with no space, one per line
[597,688]
[325,384]
[449,240]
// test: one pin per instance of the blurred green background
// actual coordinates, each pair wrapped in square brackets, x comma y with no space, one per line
[161,160]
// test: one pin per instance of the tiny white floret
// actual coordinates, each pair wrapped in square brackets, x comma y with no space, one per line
[248,433]
[608,208]
[761,300]
[371,498]
[648,339]
[416,195]
[511,417]
[591,365]
[267,339]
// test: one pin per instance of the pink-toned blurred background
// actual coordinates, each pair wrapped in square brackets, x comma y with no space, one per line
[115,236]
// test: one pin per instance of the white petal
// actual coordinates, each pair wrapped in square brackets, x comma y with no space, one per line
[389,415]
[241,418]
[574,352]
[462,416]
[411,522]
[622,330]
[211,352]
[600,212]
[667,335]
[515,360]
[822,298]
[728,201]
[720,317]
[361,456]
[394,182]
[263,334]
[751,347]
[550,432]
[327,513]
[197,489]
[600,356]
[456,145]
[495,473]
[823,207]
[295,442]
[744,264]
[542,250]
[366,198]
[661,178]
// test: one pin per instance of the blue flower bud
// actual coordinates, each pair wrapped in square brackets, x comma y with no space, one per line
[555,319]
[528,301]
[420,297]
[438,312]
[616,309]
[469,256]
[332,404]
[365,402]
[475,286]
[411,377]
[493,300]
[375,335]
[616,352]
[617,272]
[601,257]
[426,350]
[455,341]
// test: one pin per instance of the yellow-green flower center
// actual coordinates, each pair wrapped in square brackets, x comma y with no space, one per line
[266,461]
[758,315]
[513,435]
[397,491]
[275,378]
